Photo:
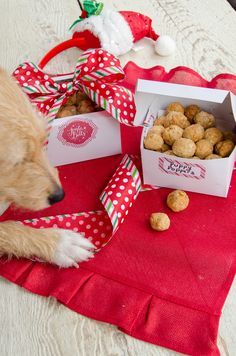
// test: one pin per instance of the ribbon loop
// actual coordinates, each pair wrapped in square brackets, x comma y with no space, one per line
[96,73]
[117,198]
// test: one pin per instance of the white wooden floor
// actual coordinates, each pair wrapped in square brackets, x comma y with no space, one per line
[205,32]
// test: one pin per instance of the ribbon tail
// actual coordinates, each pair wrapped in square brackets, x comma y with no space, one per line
[121,192]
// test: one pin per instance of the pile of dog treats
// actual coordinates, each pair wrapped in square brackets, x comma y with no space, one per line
[189,133]
[78,103]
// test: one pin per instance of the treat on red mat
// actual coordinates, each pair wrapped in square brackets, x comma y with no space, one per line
[115,31]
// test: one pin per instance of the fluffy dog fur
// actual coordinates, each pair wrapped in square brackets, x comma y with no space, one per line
[28,181]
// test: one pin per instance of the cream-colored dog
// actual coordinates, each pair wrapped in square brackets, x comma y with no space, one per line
[29,181]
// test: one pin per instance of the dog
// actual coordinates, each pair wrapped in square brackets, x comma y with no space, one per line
[27,180]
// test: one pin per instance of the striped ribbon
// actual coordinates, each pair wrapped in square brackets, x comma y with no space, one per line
[96,73]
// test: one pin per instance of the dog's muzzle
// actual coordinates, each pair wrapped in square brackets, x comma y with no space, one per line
[57,196]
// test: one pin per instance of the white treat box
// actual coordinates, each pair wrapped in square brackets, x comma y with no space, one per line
[83,137]
[203,176]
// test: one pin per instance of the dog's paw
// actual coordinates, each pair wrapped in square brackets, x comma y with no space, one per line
[71,249]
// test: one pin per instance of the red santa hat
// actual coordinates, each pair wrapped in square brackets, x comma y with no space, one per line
[117,32]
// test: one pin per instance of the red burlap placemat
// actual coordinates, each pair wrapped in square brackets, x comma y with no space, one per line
[167,288]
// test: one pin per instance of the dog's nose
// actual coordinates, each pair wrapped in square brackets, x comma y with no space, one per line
[57,196]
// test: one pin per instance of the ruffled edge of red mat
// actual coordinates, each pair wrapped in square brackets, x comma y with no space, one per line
[135,312]
[191,77]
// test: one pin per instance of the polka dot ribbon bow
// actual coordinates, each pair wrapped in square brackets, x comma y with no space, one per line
[117,199]
[96,74]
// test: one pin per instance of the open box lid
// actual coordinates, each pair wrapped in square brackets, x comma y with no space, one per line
[147,92]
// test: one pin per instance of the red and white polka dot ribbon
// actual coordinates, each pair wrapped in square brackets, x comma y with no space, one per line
[117,198]
[96,74]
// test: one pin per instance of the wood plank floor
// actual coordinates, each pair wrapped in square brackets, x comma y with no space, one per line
[206,41]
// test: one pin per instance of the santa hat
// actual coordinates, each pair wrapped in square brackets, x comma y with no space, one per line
[117,32]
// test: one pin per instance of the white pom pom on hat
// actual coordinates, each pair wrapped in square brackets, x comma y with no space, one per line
[117,32]
[165,45]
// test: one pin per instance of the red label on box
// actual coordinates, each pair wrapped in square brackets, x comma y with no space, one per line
[185,169]
[77,133]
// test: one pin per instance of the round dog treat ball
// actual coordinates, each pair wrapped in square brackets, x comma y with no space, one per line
[176,106]
[80,96]
[190,111]
[205,119]
[224,148]
[177,200]
[165,147]
[229,135]
[86,106]
[213,156]
[184,147]
[213,135]
[169,152]
[194,132]
[176,118]
[153,142]
[171,134]
[71,100]
[157,129]
[68,110]
[159,221]
[159,120]
[204,148]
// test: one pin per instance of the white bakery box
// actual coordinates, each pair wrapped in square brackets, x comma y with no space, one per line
[83,137]
[203,176]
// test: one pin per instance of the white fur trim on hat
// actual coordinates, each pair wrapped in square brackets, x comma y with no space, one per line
[111,29]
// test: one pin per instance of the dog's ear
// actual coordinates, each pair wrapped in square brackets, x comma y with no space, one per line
[15,105]
[22,130]
[13,101]
[13,149]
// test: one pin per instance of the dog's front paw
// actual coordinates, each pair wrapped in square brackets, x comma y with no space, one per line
[71,249]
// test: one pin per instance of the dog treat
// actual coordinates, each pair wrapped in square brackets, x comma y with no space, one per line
[169,152]
[177,200]
[224,148]
[190,111]
[65,111]
[85,106]
[176,106]
[171,134]
[159,120]
[72,100]
[212,156]
[153,141]
[157,129]
[229,135]
[80,96]
[184,147]
[165,147]
[213,135]
[78,103]
[176,118]
[194,132]
[205,119]
[203,148]
[159,221]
